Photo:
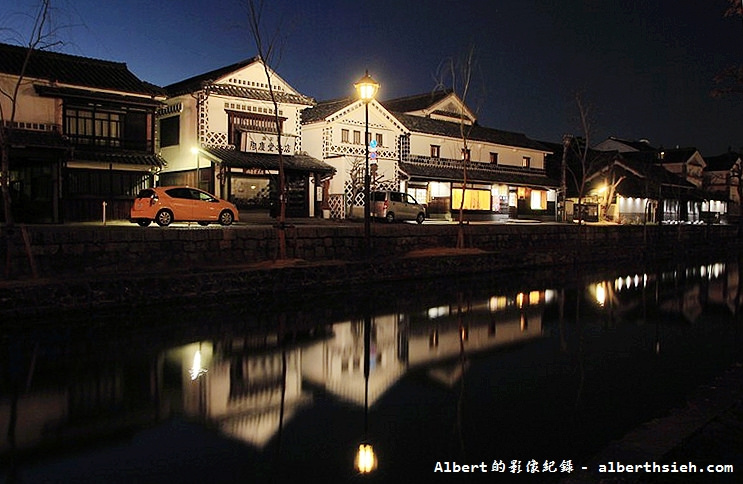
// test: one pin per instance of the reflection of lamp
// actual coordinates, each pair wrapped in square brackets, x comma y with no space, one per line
[366,460]
[367,89]
[196,368]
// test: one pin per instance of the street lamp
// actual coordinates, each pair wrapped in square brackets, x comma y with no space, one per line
[367,89]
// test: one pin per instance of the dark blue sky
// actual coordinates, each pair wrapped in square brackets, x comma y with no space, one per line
[645,68]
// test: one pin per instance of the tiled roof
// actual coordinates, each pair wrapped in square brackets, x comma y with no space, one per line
[122,157]
[677,155]
[73,70]
[722,162]
[197,83]
[324,109]
[655,173]
[259,94]
[639,145]
[476,133]
[432,171]
[267,161]
[416,103]
[193,84]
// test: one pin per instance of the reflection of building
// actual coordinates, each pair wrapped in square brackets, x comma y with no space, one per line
[72,398]
[502,320]
[240,387]
[684,293]
[338,363]
[401,343]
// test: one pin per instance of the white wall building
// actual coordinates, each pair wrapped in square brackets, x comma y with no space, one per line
[220,127]
[421,151]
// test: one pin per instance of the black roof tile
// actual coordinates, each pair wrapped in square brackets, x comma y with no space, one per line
[268,161]
[122,157]
[723,162]
[197,83]
[450,129]
[416,102]
[74,70]
[323,109]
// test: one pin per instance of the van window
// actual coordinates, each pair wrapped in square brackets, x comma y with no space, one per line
[378,196]
[395,197]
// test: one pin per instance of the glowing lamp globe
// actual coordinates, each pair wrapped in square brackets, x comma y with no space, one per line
[366,87]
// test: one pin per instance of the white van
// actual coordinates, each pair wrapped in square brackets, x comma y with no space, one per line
[393,206]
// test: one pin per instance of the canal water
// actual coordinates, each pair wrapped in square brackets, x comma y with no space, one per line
[540,368]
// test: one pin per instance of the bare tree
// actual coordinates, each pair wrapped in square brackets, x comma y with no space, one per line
[586,162]
[41,37]
[613,181]
[268,48]
[460,72]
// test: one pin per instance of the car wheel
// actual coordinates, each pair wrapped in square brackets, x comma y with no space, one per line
[203,224]
[390,217]
[164,218]
[226,217]
[143,222]
[420,218]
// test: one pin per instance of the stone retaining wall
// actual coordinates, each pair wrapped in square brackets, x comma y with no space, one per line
[84,268]
[88,250]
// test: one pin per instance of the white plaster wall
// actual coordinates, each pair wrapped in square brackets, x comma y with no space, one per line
[30,108]
[180,157]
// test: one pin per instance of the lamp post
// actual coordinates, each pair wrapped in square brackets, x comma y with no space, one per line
[366,460]
[367,89]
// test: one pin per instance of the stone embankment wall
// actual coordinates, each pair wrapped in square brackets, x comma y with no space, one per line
[82,268]
[59,251]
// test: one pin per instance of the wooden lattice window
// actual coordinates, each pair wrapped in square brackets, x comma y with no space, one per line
[251,122]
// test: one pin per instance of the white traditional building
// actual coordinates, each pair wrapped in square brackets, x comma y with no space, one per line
[420,150]
[692,203]
[334,132]
[218,132]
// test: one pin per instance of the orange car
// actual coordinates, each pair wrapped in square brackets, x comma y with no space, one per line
[165,205]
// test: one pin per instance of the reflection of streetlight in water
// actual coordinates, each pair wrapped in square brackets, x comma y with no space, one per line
[196,369]
[366,460]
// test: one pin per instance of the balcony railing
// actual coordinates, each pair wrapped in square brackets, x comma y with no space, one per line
[114,144]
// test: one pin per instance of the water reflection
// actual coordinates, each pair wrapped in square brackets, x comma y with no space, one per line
[251,381]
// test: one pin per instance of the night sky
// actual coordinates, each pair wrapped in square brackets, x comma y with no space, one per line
[645,68]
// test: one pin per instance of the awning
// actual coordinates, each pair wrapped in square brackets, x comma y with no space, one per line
[124,158]
[268,161]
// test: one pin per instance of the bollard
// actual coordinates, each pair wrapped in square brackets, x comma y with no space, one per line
[104,213]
